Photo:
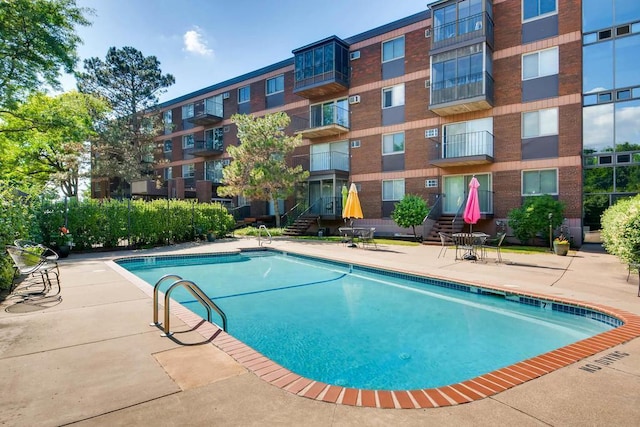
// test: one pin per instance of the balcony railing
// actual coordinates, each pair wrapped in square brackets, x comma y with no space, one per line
[466,149]
[462,94]
[469,28]
[318,162]
[207,147]
[323,121]
[212,112]
[214,176]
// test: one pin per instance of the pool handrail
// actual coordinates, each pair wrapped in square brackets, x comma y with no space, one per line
[263,227]
[193,290]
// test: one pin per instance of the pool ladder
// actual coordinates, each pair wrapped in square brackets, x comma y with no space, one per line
[194,290]
[263,227]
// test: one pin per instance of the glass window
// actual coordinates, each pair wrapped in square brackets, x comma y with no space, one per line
[628,179]
[393,143]
[626,125]
[187,111]
[168,173]
[392,189]
[244,94]
[538,182]
[167,118]
[540,64]
[597,72]
[393,96]
[187,141]
[540,123]
[627,61]
[597,128]
[189,171]
[168,146]
[275,85]
[625,11]
[596,14]
[532,9]
[393,49]
[598,180]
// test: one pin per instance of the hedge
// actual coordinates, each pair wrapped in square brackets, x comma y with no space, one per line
[621,229]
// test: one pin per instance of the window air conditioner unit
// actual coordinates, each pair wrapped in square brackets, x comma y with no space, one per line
[225,95]
[226,162]
[354,55]
[355,143]
[225,129]
[430,183]
[431,133]
[427,83]
[354,99]
[427,33]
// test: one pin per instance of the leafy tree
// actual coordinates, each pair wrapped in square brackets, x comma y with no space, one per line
[37,39]
[410,211]
[131,83]
[46,140]
[533,217]
[259,170]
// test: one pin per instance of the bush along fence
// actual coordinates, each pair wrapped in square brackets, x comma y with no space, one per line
[105,224]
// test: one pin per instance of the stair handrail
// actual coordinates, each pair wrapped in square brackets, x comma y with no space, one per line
[432,217]
[156,288]
[458,215]
[289,214]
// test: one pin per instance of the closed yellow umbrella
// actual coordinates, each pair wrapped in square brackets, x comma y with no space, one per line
[352,208]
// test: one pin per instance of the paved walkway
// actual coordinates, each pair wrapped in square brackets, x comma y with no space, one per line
[93,359]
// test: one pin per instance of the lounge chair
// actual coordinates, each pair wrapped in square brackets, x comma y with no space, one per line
[37,268]
[445,240]
[494,243]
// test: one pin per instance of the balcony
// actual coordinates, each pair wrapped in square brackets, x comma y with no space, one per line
[210,147]
[462,94]
[323,162]
[472,29]
[208,112]
[473,148]
[327,120]
[321,68]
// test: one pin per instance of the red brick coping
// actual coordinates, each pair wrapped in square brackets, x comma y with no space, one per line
[467,391]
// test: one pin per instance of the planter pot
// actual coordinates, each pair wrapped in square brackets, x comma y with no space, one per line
[211,237]
[561,248]
[63,251]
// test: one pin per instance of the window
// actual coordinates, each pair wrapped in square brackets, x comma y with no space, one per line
[540,64]
[214,139]
[214,106]
[329,113]
[167,118]
[538,182]
[168,173]
[168,146]
[187,111]
[244,94]
[275,85]
[213,170]
[392,189]
[187,141]
[393,49]
[393,143]
[540,123]
[189,171]
[532,9]
[393,96]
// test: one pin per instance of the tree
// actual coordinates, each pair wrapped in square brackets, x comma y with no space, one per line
[259,170]
[533,217]
[410,211]
[37,39]
[46,139]
[131,83]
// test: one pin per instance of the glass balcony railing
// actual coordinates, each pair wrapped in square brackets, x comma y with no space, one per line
[332,160]
[471,27]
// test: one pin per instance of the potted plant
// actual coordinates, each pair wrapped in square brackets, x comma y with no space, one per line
[62,242]
[561,245]
[211,236]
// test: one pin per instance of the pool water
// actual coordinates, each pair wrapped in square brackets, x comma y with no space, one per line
[351,327]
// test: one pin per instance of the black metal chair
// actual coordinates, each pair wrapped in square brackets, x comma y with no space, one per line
[494,243]
[445,241]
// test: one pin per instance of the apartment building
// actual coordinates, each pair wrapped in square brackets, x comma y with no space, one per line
[486,88]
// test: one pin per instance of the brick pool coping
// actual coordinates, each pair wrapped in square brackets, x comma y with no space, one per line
[454,394]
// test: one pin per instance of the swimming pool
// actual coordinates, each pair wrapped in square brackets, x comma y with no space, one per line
[360,327]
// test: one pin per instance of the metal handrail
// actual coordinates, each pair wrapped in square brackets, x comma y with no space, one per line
[263,227]
[193,290]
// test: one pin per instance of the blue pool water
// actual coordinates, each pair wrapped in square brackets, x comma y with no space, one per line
[353,327]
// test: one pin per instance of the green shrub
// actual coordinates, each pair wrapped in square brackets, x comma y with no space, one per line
[253,231]
[533,217]
[621,229]
[410,211]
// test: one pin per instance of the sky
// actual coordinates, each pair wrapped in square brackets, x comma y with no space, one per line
[204,42]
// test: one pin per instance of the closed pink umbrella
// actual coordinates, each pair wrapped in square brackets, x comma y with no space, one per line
[471,213]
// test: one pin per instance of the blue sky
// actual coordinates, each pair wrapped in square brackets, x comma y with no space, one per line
[203,42]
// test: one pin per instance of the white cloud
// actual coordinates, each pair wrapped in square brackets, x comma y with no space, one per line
[195,43]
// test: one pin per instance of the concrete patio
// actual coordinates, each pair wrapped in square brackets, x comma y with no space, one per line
[93,359]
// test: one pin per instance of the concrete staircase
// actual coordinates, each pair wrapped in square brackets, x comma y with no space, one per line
[300,226]
[444,225]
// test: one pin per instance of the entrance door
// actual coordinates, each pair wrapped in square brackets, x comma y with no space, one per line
[456,189]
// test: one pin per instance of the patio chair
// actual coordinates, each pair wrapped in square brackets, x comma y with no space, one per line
[445,241]
[36,269]
[494,243]
[366,238]
[46,251]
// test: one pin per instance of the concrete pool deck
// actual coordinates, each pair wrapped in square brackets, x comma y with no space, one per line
[93,359]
